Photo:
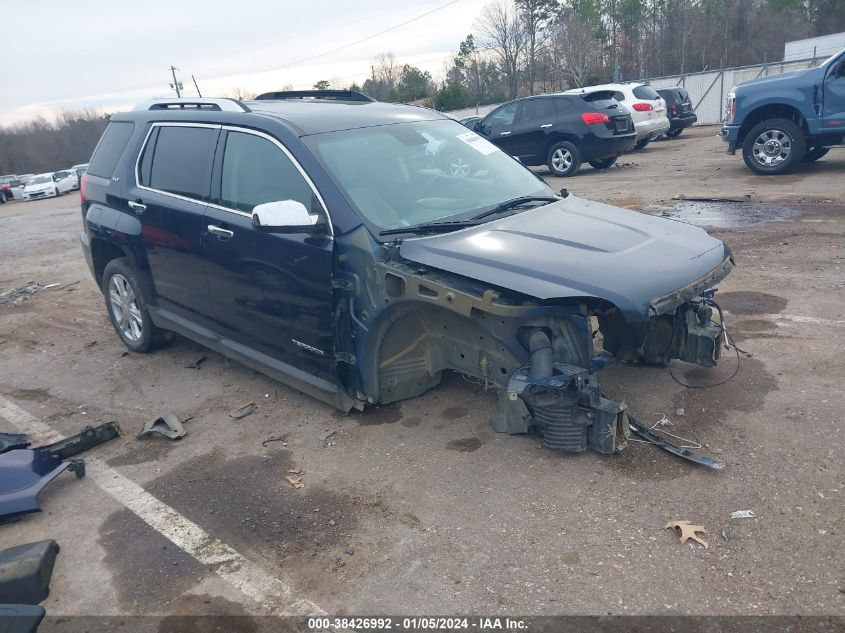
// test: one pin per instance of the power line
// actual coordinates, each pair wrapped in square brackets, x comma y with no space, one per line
[363,39]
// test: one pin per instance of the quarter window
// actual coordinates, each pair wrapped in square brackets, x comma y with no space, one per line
[110,148]
[256,171]
[181,160]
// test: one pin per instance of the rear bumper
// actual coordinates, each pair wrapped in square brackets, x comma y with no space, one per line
[730,134]
[652,128]
[605,147]
[85,242]
[681,122]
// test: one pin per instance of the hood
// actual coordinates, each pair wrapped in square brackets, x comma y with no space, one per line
[773,79]
[577,248]
[39,187]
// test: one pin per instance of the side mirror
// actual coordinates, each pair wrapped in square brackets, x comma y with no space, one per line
[283,216]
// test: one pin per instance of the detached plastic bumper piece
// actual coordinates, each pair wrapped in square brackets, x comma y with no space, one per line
[25,572]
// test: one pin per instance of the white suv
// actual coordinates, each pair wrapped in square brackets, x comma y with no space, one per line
[647,108]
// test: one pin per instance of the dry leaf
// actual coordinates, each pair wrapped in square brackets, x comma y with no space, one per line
[688,531]
[295,471]
[295,482]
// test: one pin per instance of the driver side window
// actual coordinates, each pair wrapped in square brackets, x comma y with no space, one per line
[256,171]
[503,116]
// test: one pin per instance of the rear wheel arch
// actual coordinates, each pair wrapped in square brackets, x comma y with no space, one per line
[103,252]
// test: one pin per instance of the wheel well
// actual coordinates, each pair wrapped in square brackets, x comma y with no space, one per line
[102,253]
[771,111]
[555,141]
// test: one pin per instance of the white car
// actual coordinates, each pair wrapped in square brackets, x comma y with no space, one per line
[647,108]
[46,186]
[68,175]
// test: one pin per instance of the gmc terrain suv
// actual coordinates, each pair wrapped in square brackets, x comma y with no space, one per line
[307,238]
[561,131]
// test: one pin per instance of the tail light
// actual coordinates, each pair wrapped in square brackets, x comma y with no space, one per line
[674,110]
[591,118]
[83,185]
[643,107]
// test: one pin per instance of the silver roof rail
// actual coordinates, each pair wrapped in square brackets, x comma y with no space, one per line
[216,105]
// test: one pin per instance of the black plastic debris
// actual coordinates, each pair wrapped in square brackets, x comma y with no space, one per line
[23,474]
[25,572]
[197,363]
[88,437]
[13,441]
[20,618]
[245,410]
[167,424]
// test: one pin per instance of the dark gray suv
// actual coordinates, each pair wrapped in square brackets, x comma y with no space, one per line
[318,238]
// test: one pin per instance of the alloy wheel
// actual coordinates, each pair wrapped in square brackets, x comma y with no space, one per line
[772,147]
[124,306]
[562,159]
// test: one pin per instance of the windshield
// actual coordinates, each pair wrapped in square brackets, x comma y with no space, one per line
[6,179]
[414,173]
[39,180]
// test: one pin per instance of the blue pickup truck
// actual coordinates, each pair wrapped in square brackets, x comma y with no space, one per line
[781,121]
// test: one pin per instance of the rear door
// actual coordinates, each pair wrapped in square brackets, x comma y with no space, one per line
[534,126]
[169,195]
[271,291]
[833,105]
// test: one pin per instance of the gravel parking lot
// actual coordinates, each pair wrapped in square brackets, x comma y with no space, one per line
[420,507]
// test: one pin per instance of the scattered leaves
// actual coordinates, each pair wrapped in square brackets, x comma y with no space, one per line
[688,531]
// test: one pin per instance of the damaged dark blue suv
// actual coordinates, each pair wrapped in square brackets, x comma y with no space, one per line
[318,239]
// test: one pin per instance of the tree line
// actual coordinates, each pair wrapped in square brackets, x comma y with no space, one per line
[40,145]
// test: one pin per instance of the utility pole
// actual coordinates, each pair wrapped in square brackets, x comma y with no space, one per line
[177,86]
[199,94]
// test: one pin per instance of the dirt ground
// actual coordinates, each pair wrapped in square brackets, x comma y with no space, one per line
[420,507]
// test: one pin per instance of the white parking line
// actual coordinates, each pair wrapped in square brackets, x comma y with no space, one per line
[274,596]
[808,319]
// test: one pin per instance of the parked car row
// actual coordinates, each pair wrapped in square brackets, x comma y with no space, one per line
[46,185]
[592,125]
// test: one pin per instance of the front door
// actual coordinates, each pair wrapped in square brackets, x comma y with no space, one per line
[833,119]
[270,291]
[498,126]
[169,197]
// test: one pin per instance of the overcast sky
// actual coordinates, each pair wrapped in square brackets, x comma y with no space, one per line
[113,54]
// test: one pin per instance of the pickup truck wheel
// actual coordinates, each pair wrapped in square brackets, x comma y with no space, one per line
[127,309]
[641,144]
[564,159]
[674,133]
[774,147]
[604,163]
[814,153]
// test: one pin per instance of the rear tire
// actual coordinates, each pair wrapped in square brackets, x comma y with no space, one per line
[604,163]
[814,153]
[564,159]
[774,147]
[641,144]
[128,310]
[674,133]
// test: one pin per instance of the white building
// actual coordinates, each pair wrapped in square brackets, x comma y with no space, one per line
[818,47]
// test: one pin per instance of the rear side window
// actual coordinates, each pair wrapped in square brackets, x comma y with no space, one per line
[533,110]
[683,94]
[256,171]
[181,160]
[562,104]
[619,95]
[110,148]
[646,92]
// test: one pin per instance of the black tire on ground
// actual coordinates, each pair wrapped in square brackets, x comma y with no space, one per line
[121,286]
[604,163]
[774,147]
[814,153]
[674,133]
[564,159]
[641,144]
[56,191]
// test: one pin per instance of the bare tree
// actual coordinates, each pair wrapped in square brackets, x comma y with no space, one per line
[536,16]
[387,70]
[241,94]
[576,47]
[502,33]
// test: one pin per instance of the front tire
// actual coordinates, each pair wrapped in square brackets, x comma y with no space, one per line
[604,163]
[564,159]
[774,147]
[814,153]
[128,310]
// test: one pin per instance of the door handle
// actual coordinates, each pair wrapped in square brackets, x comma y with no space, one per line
[504,133]
[220,232]
[544,126]
[137,207]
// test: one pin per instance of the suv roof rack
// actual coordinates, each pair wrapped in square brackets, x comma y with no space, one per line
[216,105]
[328,95]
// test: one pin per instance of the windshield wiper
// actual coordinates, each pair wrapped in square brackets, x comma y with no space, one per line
[430,227]
[513,204]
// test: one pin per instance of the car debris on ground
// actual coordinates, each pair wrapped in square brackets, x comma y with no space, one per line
[197,363]
[243,411]
[167,424]
[743,514]
[25,572]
